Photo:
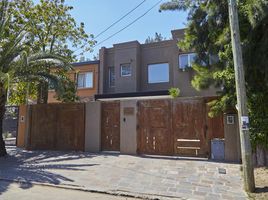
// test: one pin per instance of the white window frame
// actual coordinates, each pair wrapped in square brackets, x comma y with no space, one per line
[189,64]
[109,76]
[161,81]
[84,80]
[121,70]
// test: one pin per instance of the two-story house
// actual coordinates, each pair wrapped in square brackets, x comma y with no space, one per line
[132,67]
[85,74]
[135,68]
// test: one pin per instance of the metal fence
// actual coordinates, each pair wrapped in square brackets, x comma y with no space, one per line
[10,123]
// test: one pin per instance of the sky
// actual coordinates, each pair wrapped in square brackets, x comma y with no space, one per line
[100,14]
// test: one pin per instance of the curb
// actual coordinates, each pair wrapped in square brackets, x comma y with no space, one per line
[79,188]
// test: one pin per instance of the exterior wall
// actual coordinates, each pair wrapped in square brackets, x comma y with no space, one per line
[140,56]
[128,126]
[127,53]
[232,140]
[93,126]
[159,52]
[102,75]
[83,93]
[106,61]
[23,137]
[22,126]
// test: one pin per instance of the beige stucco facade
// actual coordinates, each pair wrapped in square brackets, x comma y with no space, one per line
[232,139]
[128,126]
[139,56]
[93,126]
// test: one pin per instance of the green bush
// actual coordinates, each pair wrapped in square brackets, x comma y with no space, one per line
[7,135]
[174,92]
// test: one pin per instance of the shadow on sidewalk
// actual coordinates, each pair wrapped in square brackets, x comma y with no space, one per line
[26,167]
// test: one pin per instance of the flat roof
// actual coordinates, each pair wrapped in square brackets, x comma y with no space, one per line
[131,94]
[137,98]
[91,62]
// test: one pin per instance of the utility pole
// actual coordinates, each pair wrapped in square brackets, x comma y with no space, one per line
[246,151]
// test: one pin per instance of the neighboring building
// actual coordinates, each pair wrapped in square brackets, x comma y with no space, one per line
[132,67]
[85,74]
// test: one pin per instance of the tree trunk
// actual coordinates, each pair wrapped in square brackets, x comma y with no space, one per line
[3,96]
[42,95]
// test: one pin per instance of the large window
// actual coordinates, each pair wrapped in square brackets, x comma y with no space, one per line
[111,77]
[158,73]
[125,70]
[186,60]
[85,80]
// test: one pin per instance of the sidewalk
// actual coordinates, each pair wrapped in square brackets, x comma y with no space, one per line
[159,177]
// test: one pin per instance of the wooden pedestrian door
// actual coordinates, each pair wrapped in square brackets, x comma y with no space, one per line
[110,123]
[154,127]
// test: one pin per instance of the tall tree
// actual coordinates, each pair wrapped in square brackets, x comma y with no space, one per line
[55,31]
[208,33]
[157,38]
[16,63]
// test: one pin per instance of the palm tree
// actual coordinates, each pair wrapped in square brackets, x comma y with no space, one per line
[16,64]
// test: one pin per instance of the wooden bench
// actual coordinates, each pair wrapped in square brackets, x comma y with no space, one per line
[195,141]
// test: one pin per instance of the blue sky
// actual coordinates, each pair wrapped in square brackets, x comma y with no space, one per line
[100,14]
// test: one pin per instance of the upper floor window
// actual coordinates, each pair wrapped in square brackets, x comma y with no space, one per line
[85,80]
[158,73]
[186,60]
[111,77]
[126,70]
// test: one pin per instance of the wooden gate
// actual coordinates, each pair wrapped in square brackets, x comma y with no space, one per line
[110,126]
[57,127]
[154,127]
[176,127]
[189,126]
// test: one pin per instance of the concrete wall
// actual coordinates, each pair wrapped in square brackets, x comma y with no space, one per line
[23,137]
[93,127]
[232,140]
[22,126]
[128,126]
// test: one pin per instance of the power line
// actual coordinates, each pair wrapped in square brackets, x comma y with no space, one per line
[116,22]
[128,24]
[119,19]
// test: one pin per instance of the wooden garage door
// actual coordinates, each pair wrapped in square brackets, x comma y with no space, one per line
[154,127]
[110,126]
[189,127]
[176,127]
[57,127]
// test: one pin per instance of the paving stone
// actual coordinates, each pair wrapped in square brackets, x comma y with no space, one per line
[203,194]
[183,179]
[213,196]
[173,189]
[184,191]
